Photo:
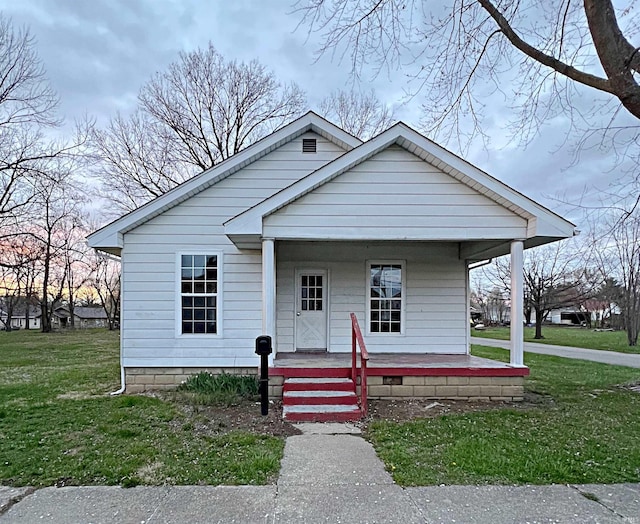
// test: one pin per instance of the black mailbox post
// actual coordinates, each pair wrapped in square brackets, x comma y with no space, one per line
[264,349]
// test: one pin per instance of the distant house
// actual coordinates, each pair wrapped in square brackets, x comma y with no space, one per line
[19,317]
[592,312]
[84,317]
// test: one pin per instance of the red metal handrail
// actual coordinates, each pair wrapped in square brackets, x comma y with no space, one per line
[358,341]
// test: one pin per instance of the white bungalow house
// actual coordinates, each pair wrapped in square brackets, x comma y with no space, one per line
[293,234]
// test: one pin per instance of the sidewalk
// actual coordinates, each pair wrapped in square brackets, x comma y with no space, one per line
[329,474]
[595,355]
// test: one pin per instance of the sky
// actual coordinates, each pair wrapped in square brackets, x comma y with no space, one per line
[98,54]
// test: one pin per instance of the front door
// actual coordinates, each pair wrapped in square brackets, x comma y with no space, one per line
[311,310]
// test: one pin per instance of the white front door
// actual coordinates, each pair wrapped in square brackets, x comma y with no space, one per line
[311,310]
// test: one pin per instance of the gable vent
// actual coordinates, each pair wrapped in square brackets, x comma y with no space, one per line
[308,145]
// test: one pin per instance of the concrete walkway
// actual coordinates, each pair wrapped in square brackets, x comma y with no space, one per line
[329,474]
[595,355]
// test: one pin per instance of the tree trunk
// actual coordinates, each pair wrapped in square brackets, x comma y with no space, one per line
[44,305]
[539,316]
[632,320]
[7,322]
[527,315]
[72,319]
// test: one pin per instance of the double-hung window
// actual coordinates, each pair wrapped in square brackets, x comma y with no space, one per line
[199,287]
[386,297]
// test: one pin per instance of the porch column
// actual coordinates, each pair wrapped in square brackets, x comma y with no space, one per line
[517,303]
[269,288]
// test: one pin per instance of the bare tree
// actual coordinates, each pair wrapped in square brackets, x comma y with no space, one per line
[618,255]
[27,112]
[135,160]
[27,105]
[460,54]
[54,227]
[361,114]
[555,276]
[496,306]
[76,259]
[105,282]
[19,256]
[200,111]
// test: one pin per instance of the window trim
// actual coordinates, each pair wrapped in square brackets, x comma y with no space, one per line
[403,300]
[178,294]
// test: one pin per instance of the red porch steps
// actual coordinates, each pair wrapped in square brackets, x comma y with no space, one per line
[320,399]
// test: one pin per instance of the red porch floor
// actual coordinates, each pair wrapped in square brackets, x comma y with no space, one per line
[394,364]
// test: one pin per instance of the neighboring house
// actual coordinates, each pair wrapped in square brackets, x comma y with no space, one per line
[19,317]
[85,317]
[592,313]
[569,316]
[292,234]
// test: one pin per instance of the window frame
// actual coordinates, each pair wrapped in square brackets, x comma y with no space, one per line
[179,294]
[403,298]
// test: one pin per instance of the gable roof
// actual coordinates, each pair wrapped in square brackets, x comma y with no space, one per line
[83,312]
[542,223]
[109,238]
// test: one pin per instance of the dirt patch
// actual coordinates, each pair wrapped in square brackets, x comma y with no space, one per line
[244,416]
[404,410]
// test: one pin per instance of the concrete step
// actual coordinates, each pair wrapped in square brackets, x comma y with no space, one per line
[322,413]
[318,384]
[319,397]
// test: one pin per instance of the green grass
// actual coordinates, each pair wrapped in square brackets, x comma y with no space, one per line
[58,424]
[568,336]
[584,430]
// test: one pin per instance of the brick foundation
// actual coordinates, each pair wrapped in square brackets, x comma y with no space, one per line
[139,380]
[448,388]
[430,387]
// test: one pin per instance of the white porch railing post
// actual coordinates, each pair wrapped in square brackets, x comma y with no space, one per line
[517,303]
[269,289]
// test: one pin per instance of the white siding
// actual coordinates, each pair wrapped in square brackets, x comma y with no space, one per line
[149,268]
[394,195]
[435,296]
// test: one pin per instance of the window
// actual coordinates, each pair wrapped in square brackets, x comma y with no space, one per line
[199,294]
[311,292]
[386,297]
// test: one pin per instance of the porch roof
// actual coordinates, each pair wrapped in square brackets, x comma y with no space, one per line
[542,225]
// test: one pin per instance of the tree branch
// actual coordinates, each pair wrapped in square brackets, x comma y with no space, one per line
[602,84]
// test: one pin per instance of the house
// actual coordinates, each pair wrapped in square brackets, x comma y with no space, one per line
[19,317]
[290,236]
[84,317]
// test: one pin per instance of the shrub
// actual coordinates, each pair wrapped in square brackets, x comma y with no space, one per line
[220,389]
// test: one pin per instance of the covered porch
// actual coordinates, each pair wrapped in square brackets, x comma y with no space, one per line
[428,294]
[410,375]
[317,295]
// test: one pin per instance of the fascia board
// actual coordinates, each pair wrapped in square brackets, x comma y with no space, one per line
[109,234]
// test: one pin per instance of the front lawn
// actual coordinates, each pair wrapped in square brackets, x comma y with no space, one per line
[579,426]
[59,425]
[567,336]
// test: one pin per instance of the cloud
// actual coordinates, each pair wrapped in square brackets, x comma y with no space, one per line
[98,54]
